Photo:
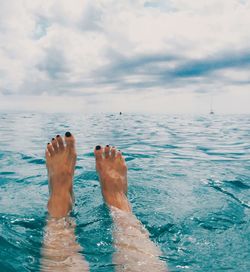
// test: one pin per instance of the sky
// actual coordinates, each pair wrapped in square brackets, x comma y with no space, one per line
[172,56]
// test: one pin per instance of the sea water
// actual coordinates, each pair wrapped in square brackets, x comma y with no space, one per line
[189,181]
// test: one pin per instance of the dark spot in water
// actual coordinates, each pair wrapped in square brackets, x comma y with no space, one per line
[37,161]
[26,157]
[237,183]
[7,173]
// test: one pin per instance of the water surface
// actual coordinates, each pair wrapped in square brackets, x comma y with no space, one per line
[189,180]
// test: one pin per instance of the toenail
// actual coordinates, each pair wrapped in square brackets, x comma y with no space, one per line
[57,136]
[98,147]
[48,143]
[67,134]
[53,139]
[107,145]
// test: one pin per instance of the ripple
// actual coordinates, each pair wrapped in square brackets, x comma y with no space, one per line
[217,221]
[7,173]
[199,226]
[238,184]
[218,186]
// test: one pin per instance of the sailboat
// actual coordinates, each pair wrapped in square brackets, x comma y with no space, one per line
[211,106]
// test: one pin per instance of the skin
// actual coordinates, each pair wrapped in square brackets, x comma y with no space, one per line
[134,250]
[112,171]
[60,229]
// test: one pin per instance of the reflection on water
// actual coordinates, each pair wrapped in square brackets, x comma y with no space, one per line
[188,184]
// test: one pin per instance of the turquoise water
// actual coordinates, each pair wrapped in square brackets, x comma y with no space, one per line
[189,180]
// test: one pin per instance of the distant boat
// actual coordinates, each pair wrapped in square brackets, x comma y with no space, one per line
[211,106]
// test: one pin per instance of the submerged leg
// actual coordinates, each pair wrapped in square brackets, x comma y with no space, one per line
[60,249]
[134,250]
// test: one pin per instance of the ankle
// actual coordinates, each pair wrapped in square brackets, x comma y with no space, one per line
[118,200]
[59,205]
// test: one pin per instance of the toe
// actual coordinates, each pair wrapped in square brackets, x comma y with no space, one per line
[107,151]
[113,152]
[119,154]
[50,149]
[47,154]
[70,141]
[60,142]
[120,157]
[98,152]
[55,145]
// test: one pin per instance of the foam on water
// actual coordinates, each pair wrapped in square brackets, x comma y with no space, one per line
[188,183]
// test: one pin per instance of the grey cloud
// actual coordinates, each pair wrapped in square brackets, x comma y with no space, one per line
[42,24]
[186,71]
[54,64]
[165,6]
[195,68]
[91,18]
[149,70]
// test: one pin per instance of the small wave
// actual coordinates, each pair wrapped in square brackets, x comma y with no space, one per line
[37,161]
[237,183]
[7,173]
[86,175]
[218,186]
[214,223]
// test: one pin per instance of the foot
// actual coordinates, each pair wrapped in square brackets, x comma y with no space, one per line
[60,162]
[112,171]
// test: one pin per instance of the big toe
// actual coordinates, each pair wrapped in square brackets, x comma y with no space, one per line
[98,153]
[70,141]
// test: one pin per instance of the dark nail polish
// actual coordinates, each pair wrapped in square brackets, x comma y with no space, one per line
[67,134]
[107,145]
[48,143]
[98,147]
[53,139]
[57,136]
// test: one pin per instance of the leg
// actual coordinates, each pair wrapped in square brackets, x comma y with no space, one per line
[60,250]
[134,250]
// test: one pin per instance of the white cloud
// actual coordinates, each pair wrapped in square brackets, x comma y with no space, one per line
[77,48]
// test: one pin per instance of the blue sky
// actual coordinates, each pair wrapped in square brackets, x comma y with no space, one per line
[156,56]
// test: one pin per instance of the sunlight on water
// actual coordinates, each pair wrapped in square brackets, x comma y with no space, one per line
[188,183]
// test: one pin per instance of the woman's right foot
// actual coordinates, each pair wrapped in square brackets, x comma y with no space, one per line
[112,171]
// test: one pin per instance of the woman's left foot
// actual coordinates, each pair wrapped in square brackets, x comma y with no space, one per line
[60,162]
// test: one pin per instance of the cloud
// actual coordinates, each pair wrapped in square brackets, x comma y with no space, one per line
[90,48]
[169,71]
[202,67]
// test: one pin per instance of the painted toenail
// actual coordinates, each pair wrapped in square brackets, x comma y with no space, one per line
[67,134]
[107,145]
[98,147]
[53,139]
[48,143]
[57,136]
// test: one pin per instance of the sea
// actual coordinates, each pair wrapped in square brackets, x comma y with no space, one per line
[189,185]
